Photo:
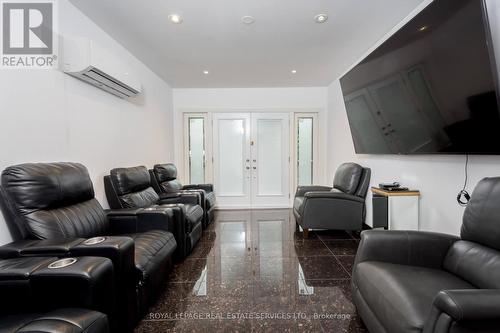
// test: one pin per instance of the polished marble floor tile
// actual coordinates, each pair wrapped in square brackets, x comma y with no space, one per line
[306,248]
[343,247]
[203,249]
[253,272]
[320,268]
[346,261]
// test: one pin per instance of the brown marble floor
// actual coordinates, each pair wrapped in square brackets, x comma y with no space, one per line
[252,272]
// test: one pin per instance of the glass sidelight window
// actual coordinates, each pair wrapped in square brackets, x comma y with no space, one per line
[305,144]
[196,147]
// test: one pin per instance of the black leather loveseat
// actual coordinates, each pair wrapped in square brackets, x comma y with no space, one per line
[410,281]
[54,209]
[341,207]
[165,182]
[42,294]
[130,188]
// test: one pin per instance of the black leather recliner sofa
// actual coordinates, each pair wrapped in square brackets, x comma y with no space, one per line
[54,208]
[339,208]
[40,294]
[164,180]
[131,188]
[410,281]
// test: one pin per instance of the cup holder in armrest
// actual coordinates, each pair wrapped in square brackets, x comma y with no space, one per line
[94,241]
[61,263]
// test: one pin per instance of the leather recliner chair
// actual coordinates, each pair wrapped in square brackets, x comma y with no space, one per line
[54,208]
[131,188]
[164,180]
[411,281]
[339,208]
[40,295]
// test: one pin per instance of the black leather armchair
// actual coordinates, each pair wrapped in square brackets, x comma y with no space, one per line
[410,281]
[54,208]
[341,207]
[164,180]
[130,188]
[39,296]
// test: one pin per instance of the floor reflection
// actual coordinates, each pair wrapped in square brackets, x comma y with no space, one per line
[253,262]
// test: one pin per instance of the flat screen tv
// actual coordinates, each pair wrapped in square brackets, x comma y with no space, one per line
[430,88]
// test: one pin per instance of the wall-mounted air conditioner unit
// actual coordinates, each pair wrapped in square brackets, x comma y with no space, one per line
[89,62]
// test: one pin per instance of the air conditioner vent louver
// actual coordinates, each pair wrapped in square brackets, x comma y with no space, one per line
[94,65]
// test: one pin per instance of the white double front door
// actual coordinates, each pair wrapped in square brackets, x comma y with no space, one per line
[251,159]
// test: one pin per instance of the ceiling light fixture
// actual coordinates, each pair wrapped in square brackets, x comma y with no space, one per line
[320,18]
[423,28]
[206,72]
[248,19]
[294,71]
[175,18]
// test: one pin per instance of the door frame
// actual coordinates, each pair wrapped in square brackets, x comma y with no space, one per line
[319,170]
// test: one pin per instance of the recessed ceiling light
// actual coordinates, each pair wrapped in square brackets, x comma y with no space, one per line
[206,72]
[248,19]
[320,18]
[294,71]
[423,28]
[175,18]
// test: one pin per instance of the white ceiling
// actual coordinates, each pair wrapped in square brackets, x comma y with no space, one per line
[212,37]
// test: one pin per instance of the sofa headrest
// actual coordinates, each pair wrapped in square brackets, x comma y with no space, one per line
[481,221]
[43,186]
[347,177]
[130,180]
[165,172]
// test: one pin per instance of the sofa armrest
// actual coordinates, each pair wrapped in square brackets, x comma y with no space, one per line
[333,195]
[31,284]
[160,218]
[332,210]
[127,221]
[201,193]
[205,187]
[186,198]
[39,248]
[302,190]
[88,283]
[469,304]
[120,250]
[416,248]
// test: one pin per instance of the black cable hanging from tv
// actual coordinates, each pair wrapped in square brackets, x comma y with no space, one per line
[463,196]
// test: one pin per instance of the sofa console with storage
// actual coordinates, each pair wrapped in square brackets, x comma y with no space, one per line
[52,205]
[48,294]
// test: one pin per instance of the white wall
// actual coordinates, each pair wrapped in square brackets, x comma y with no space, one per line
[439,178]
[49,116]
[248,100]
